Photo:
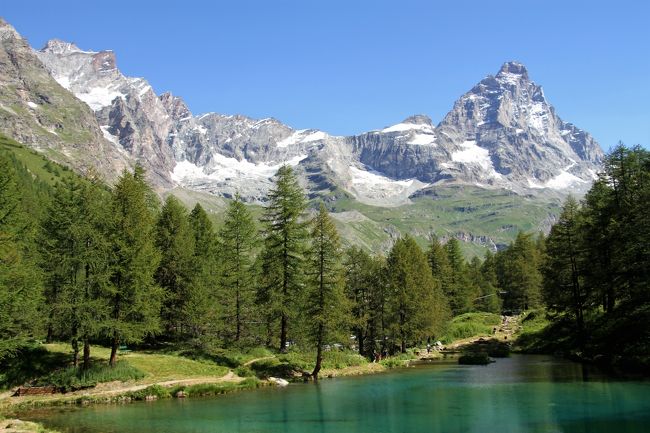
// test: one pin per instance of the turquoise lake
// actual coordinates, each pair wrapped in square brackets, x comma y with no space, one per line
[523,393]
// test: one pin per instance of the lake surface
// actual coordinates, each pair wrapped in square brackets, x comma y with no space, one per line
[524,393]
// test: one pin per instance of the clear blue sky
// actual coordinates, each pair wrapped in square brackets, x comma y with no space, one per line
[352,66]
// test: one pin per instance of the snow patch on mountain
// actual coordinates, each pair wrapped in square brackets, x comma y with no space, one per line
[99,97]
[422,139]
[223,168]
[472,154]
[402,127]
[374,188]
[302,136]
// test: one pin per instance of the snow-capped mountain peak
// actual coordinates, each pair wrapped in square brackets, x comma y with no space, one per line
[500,134]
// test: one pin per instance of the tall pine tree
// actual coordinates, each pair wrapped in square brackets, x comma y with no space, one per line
[238,238]
[175,273]
[20,279]
[326,305]
[284,246]
[134,298]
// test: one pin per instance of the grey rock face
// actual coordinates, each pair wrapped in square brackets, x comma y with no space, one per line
[37,111]
[130,113]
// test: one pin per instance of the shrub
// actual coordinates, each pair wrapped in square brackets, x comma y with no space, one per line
[72,379]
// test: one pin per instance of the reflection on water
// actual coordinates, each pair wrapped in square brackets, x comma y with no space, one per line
[518,394]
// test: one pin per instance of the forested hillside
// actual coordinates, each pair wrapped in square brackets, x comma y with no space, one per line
[86,264]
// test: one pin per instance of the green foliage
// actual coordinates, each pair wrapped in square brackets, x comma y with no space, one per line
[326,307]
[364,289]
[596,273]
[175,273]
[28,362]
[285,238]
[155,391]
[471,324]
[458,289]
[417,307]
[519,275]
[399,360]
[202,306]
[20,279]
[133,297]
[238,238]
[72,378]
[75,257]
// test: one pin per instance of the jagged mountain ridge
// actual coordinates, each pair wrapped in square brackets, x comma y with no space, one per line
[36,109]
[501,134]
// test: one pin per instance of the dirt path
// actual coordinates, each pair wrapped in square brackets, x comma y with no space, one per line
[252,361]
[229,377]
[114,388]
[504,332]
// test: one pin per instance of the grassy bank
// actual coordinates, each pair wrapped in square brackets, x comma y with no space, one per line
[20,426]
[471,325]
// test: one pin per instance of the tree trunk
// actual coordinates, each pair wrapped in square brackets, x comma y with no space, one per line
[75,352]
[115,344]
[238,319]
[86,364]
[319,354]
[360,341]
[50,333]
[283,333]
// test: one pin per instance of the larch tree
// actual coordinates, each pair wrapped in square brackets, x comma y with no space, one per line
[20,279]
[175,273]
[563,269]
[76,253]
[459,290]
[417,305]
[238,238]
[133,296]
[285,237]
[360,282]
[326,308]
[202,309]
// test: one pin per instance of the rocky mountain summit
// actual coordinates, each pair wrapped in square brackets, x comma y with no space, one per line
[502,134]
[35,109]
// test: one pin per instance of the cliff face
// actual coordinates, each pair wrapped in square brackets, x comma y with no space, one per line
[36,110]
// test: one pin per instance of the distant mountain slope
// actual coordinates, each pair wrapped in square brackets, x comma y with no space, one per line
[502,145]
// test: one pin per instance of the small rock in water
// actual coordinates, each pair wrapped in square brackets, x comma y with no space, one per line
[279,381]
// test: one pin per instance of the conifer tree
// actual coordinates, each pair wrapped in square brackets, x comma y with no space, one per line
[361,283]
[458,291]
[134,298]
[175,273]
[490,296]
[417,306]
[439,263]
[202,307]
[285,238]
[20,278]
[75,255]
[518,271]
[327,308]
[563,268]
[238,238]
